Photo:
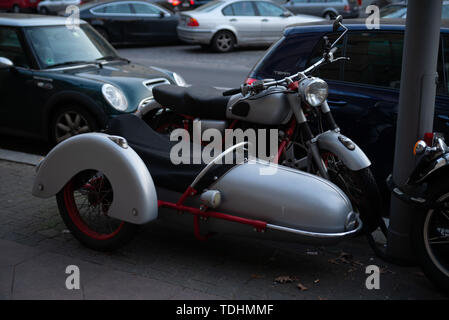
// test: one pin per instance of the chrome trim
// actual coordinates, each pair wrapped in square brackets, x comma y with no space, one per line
[151,83]
[338,235]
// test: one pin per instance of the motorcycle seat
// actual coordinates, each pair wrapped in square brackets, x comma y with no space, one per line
[154,149]
[198,101]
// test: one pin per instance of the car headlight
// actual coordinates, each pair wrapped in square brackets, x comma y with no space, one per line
[115,97]
[179,80]
[314,91]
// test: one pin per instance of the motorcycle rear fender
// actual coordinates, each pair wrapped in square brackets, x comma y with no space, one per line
[135,198]
[353,159]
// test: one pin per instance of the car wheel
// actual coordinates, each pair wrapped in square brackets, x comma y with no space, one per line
[43,10]
[223,41]
[70,121]
[103,33]
[329,16]
[15,8]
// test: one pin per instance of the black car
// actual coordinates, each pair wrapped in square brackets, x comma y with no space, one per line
[364,92]
[131,22]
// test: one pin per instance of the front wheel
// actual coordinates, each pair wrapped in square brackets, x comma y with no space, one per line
[84,204]
[361,189]
[430,236]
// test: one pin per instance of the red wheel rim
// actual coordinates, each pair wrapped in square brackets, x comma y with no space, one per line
[77,219]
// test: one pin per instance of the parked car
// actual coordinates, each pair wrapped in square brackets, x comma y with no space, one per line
[17,6]
[56,81]
[399,11]
[181,5]
[54,6]
[226,24]
[133,21]
[364,92]
[328,9]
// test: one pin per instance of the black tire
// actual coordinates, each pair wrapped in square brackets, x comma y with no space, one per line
[223,41]
[83,227]
[434,260]
[43,10]
[361,188]
[15,8]
[58,133]
[329,15]
[103,33]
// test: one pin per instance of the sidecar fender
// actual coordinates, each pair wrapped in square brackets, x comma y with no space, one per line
[345,149]
[134,199]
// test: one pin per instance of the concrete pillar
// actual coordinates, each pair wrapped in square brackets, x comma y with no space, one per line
[416,110]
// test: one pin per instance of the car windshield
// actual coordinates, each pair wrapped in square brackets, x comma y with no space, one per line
[59,45]
[209,6]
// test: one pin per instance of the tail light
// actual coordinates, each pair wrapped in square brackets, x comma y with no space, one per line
[428,138]
[193,22]
[347,8]
[174,3]
[250,80]
[192,2]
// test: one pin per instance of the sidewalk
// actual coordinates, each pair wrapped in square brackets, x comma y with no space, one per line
[163,262]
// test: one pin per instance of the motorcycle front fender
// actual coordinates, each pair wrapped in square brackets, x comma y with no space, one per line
[134,198]
[345,149]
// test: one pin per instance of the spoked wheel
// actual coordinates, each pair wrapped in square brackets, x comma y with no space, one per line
[84,204]
[70,121]
[223,41]
[431,242]
[360,187]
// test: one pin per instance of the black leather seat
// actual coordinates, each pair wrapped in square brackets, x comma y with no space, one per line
[154,149]
[198,101]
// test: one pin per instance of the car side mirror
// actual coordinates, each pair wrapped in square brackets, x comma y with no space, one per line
[5,63]
[286,14]
[336,24]
[161,14]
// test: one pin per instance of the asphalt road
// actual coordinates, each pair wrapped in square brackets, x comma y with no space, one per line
[198,66]
[194,64]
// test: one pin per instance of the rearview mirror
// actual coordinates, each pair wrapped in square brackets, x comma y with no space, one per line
[337,22]
[5,63]
[286,14]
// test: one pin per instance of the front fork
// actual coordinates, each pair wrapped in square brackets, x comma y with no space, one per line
[314,154]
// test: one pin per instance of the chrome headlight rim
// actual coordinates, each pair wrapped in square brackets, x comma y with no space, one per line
[314,91]
[119,102]
[179,80]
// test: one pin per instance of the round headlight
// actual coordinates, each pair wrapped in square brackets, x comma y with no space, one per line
[179,80]
[115,97]
[314,91]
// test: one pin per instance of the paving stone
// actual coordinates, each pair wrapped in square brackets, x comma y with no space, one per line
[6,279]
[12,253]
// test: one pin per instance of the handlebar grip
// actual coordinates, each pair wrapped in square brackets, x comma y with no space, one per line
[232,92]
[333,50]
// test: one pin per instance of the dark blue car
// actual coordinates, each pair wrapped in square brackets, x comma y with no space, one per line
[364,92]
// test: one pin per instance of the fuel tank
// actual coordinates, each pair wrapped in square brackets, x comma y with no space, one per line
[285,197]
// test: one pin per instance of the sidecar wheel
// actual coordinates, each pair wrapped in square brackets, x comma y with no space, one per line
[430,237]
[84,203]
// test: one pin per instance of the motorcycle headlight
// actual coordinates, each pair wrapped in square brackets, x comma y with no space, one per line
[115,97]
[179,80]
[314,91]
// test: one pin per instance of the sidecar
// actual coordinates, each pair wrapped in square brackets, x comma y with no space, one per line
[108,183]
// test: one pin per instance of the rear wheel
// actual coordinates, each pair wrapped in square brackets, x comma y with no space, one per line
[223,41]
[430,236]
[84,203]
[43,10]
[16,8]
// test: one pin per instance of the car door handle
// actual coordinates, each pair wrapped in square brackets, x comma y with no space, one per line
[264,20]
[339,103]
[233,20]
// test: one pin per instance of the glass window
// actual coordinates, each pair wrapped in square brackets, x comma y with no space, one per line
[244,8]
[227,11]
[269,9]
[443,68]
[143,8]
[11,48]
[330,71]
[376,59]
[99,9]
[208,7]
[120,8]
[57,44]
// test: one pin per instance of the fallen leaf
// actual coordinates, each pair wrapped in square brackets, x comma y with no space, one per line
[257,276]
[316,281]
[302,287]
